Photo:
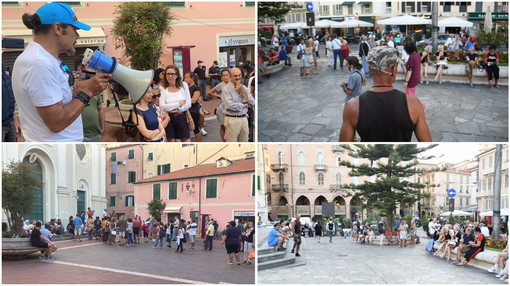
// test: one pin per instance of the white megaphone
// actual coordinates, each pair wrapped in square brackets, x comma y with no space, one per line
[136,82]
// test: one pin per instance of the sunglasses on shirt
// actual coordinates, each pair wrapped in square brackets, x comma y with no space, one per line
[68,71]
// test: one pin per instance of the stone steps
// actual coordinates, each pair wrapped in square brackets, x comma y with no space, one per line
[276,263]
[270,256]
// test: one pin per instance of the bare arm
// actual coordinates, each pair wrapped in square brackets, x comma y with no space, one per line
[100,111]
[421,129]
[350,120]
[196,96]
[149,134]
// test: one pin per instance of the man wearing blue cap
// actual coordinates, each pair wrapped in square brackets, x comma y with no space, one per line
[49,100]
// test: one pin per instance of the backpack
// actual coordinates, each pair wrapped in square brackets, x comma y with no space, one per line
[129,131]
[330,226]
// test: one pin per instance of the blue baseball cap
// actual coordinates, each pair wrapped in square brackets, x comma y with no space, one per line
[59,13]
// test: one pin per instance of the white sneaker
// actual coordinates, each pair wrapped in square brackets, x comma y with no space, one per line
[500,275]
[492,269]
[204,133]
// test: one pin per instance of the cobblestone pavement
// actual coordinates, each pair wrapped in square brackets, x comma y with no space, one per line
[91,262]
[347,262]
[292,109]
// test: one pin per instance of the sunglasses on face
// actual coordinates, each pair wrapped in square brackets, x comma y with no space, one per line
[68,71]
[156,96]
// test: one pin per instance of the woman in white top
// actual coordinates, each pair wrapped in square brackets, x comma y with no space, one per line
[403,234]
[175,100]
[329,51]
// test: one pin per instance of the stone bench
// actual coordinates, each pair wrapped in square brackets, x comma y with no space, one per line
[457,73]
[393,240]
[484,259]
[274,68]
[15,248]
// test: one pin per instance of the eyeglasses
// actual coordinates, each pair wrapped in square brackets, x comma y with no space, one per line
[171,74]
[156,95]
[68,71]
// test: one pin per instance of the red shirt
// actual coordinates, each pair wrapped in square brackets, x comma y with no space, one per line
[272,55]
[136,223]
[414,63]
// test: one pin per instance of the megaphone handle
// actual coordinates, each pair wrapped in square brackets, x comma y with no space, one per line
[114,65]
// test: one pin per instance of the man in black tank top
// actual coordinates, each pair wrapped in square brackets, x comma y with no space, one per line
[384,114]
[296,232]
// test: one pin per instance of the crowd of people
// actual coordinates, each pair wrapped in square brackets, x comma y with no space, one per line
[171,107]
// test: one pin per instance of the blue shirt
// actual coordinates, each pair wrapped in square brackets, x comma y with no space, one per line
[355,84]
[469,44]
[282,55]
[467,238]
[77,222]
[284,41]
[272,238]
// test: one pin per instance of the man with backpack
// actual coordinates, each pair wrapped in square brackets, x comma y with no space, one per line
[331,229]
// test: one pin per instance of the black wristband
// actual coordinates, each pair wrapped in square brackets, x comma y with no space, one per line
[83,97]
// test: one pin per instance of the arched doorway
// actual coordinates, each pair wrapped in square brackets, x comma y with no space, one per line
[303,206]
[318,206]
[37,210]
[282,208]
[340,208]
[355,209]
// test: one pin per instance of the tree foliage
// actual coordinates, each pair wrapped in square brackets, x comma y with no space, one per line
[139,29]
[274,10]
[391,165]
[155,208]
[18,193]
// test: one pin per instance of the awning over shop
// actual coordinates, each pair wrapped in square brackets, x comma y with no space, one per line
[172,210]
[369,19]
[480,16]
[364,3]
[348,3]
[93,37]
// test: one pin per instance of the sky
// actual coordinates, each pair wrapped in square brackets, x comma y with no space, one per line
[454,152]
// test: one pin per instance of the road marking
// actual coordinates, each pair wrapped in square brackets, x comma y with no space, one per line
[76,246]
[133,273]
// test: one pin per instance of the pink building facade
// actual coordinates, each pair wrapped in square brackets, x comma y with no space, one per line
[219,30]
[223,191]
[124,167]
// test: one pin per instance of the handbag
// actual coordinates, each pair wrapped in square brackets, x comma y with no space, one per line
[114,232]
[191,123]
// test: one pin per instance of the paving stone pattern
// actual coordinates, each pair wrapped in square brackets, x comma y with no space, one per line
[292,109]
[347,262]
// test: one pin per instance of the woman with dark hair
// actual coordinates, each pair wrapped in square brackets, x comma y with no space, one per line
[70,227]
[192,80]
[357,79]
[147,119]
[413,67]
[232,239]
[175,100]
[216,92]
[159,74]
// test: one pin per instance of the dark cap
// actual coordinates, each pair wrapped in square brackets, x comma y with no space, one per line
[200,61]
[215,62]
[492,47]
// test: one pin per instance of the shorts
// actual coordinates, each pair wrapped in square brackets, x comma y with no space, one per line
[492,71]
[464,250]
[196,120]
[145,234]
[262,66]
[177,128]
[41,244]
[273,242]
[192,238]
[121,233]
[411,91]
[232,248]
[297,239]
[78,231]
[136,230]
[219,113]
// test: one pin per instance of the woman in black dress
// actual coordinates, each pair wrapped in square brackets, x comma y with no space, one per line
[318,231]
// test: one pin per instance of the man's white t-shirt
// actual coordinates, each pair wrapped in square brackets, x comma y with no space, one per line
[276,42]
[485,231]
[431,230]
[391,44]
[38,81]
[316,45]
[193,229]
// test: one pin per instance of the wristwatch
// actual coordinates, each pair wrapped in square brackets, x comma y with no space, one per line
[83,97]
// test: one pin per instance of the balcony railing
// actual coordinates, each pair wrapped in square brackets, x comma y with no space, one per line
[280,187]
[337,148]
[335,187]
[320,167]
[279,167]
[283,210]
[340,210]
[303,210]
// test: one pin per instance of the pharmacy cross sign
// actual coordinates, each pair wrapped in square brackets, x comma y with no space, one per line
[452,193]
[309,6]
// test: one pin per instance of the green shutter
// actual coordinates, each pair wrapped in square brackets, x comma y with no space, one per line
[126,201]
[211,191]
[131,154]
[419,7]
[412,7]
[112,201]
[113,156]
[113,179]
[403,7]
[258,182]
[253,186]
[150,157]
[159,170]
[172,191]
[249,3]
[156,191]
[167,167]
[131,177]
[176,3]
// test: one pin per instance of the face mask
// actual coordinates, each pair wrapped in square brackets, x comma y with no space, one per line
[201,65]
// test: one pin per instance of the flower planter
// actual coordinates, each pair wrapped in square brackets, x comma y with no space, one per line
[125,106]
[15,248]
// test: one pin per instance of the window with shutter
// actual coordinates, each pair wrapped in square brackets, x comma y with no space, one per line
[172,191]
[131,177]
[253,186]
[131,154]
[112,201]
[150,156]
[113,179]
[156,191]
[113,156]
[211,189]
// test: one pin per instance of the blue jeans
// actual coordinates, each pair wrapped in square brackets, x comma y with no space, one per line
[365,65]
[337,53]
[202,86]
[160,239]
[129,238]
[208,242]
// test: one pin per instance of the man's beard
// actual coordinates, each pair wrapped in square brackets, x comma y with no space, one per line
[71,52]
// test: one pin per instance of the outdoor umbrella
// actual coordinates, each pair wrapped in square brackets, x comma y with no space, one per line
[354,24]
[405,20]
[323,24]
[504,212]
[454,22]
[456,213]
[488,21]
[296,25]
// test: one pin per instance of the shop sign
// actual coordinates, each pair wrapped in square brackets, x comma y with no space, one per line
[90,41]
[244,213]
[231,41]
[481,16]
[222,60]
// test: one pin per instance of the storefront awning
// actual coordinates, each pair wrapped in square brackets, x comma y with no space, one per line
[93,37]
[348,3]
[172,210]
[364,3]
[480,16]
